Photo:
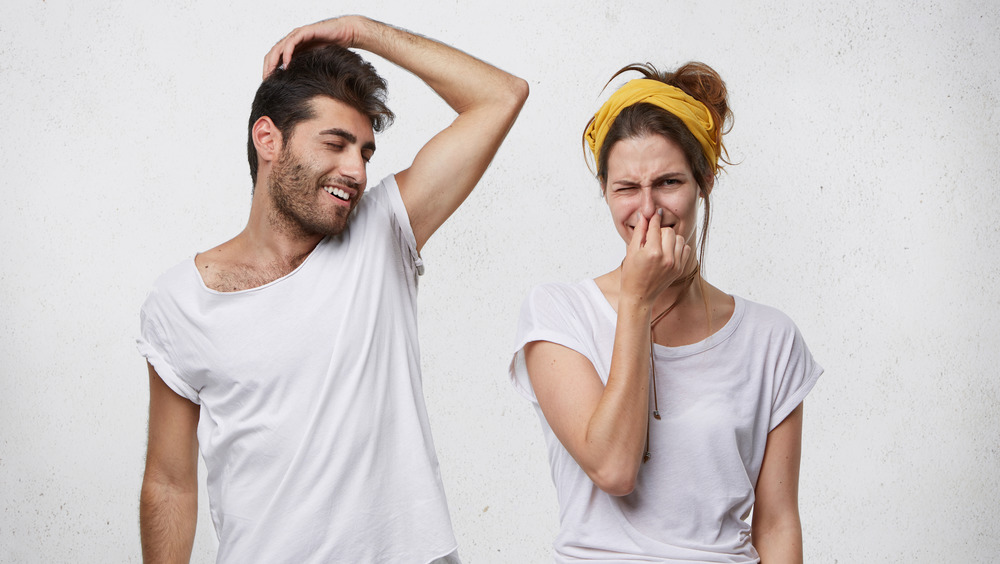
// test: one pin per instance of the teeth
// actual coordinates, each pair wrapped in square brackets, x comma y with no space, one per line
[337,192]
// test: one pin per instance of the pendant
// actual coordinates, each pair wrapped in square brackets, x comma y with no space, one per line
[656,414]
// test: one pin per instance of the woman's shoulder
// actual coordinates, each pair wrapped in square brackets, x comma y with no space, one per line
[765,318]
[581,301]
[565,290]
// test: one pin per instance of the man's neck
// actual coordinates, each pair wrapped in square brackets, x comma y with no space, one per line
[257,256]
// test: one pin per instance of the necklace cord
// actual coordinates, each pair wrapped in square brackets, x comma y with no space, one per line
[686,283]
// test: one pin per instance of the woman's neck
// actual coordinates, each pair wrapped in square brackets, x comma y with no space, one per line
[701,310]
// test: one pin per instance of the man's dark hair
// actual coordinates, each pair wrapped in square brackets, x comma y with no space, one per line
[285,96]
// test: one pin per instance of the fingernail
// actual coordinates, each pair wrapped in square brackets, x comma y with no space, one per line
[659,212]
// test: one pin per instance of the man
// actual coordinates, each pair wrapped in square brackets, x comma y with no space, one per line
[289,353]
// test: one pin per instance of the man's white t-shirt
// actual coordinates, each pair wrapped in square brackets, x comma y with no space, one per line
[312,426]
[718,399]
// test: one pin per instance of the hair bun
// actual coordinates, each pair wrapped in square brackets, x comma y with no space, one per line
[702,83]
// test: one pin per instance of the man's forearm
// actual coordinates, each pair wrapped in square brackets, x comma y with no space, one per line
[487,100]
[167,519]
[463,81]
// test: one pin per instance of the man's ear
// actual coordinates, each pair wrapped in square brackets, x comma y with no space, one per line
[267,139]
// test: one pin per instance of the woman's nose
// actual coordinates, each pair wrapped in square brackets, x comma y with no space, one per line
[646,207]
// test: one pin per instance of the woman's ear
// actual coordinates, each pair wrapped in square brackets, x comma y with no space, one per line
[705,190]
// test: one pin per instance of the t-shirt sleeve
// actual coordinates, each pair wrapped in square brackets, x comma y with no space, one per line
[401,222]
[547,314]
[798,376]
[153,345]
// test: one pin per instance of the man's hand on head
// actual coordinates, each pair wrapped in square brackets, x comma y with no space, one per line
[487,100]
[344,31]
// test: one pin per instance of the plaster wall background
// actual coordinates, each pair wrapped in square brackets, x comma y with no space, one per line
[864,205]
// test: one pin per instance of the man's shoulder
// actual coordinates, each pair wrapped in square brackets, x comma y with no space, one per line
[380,194]
[177,275]
[177,280]
[383,210]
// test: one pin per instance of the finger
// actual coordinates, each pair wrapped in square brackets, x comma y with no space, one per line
[281,53]
[286,55]
[679,245]
[684,255]
[277,55]
[687,257]
[270,59]
[668,240]
[653,231]
[639,233]
[304,39]
[288,45]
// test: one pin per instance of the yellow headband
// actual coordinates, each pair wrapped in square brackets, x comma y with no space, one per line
[693,113]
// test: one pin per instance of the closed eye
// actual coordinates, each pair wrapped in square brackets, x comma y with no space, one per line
[625,187]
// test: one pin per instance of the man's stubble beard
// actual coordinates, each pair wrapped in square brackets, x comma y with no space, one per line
[292,186]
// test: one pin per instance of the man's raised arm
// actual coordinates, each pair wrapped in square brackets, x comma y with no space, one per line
[487,100]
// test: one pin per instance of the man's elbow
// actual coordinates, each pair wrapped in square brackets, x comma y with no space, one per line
[513,96]
[159,484]
[519,91]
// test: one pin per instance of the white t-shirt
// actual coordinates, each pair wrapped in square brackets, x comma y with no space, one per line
[312,426]
[718,399]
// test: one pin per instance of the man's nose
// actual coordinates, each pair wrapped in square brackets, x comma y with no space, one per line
[353,167]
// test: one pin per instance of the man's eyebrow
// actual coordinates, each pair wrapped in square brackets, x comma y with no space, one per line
[340,133]
[348,136]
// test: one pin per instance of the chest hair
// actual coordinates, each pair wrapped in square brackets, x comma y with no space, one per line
[236,277]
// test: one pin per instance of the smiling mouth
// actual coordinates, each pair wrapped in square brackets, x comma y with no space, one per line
[337,193]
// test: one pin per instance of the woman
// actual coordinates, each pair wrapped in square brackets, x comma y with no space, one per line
[670,408]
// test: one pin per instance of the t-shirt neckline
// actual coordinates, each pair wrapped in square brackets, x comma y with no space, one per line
[684,350]
[201,281]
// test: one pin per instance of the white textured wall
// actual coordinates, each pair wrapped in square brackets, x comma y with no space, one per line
[865,206]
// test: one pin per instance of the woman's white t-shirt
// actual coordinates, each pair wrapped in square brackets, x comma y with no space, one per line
[718,399]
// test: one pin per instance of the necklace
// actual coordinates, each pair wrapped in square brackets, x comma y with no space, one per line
[686,283]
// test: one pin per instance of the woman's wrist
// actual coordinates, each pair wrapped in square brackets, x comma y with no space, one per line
[635,305]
